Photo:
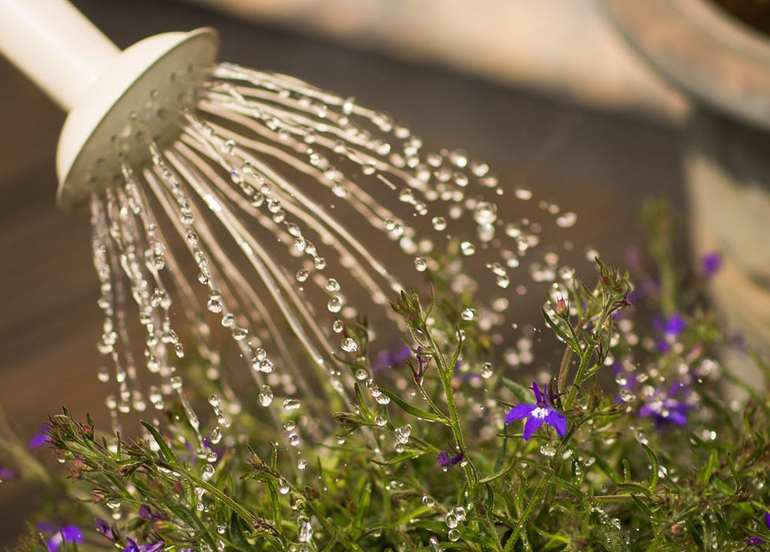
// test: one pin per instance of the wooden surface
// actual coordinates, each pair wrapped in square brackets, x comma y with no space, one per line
[598,165]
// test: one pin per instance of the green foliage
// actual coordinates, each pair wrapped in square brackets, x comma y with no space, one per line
[653,457]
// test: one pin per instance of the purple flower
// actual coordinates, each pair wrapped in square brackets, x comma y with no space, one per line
[66,533]
[668,407]
[41,438]
[103,528]
[757,540]
[671,328]
[388,359]
[538,413]
[5,473]
[133,547]
[711,263]
[145,512]
[444,460]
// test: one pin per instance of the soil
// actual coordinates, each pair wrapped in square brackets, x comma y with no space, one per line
[754,13]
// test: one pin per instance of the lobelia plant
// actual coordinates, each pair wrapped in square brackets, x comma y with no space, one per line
[627,445]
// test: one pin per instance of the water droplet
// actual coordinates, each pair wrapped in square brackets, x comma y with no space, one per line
[294,440]
[283,486]
[215,301]
[349,346]
[332,285]
[301,464]
[187,217]
[486,370]
[334,304]
[228,320]
[420,264]
[523,194]
[381,421]
[485,213]
[338,326]
[216,435]
[428,501]
[207,472]
[468,314]
[453,535]
[158,298]
[305,529]
[451,519]
[467,248]
[439,223]
[290,405]
[566,220]
[228,146]
[103,374]
[240,334]
[402,433]
[265,395]
[548,450]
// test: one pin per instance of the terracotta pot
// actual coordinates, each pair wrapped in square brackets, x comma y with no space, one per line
[723,67]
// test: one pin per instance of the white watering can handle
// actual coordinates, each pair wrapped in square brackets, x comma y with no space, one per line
[55,46]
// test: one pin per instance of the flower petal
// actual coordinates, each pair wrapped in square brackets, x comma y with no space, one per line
[532,425]
[519,412]
[538,396]
[557,421]
[38,440]
[677,417]
[767,519]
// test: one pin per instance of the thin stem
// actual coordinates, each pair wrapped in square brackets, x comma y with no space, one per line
[445,375]
[564,367]
[430,401]
[527,512]
[578,377]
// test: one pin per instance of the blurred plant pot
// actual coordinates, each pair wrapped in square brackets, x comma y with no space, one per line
[723,67]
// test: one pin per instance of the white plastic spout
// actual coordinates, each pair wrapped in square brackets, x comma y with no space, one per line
[55,46]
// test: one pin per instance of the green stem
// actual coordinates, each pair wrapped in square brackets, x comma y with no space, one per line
[431,404]
[445,375]
[527,512]
[564,367]
[245,514]
[578,378]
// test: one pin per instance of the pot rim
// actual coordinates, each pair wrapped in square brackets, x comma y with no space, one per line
[718,61]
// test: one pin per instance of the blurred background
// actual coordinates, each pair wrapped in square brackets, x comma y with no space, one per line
[546,92]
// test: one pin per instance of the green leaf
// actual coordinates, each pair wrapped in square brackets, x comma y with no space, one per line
[522,394]
[708,469]
[564,336]
[274,501]
[362,505]
[490,478]
[413,410]
[165,450]
[642,505]
[605,532]
[365,412]
[403,457]
[635,488]
[654,467]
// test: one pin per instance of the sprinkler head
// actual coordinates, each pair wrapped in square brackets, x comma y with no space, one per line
[139,98]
